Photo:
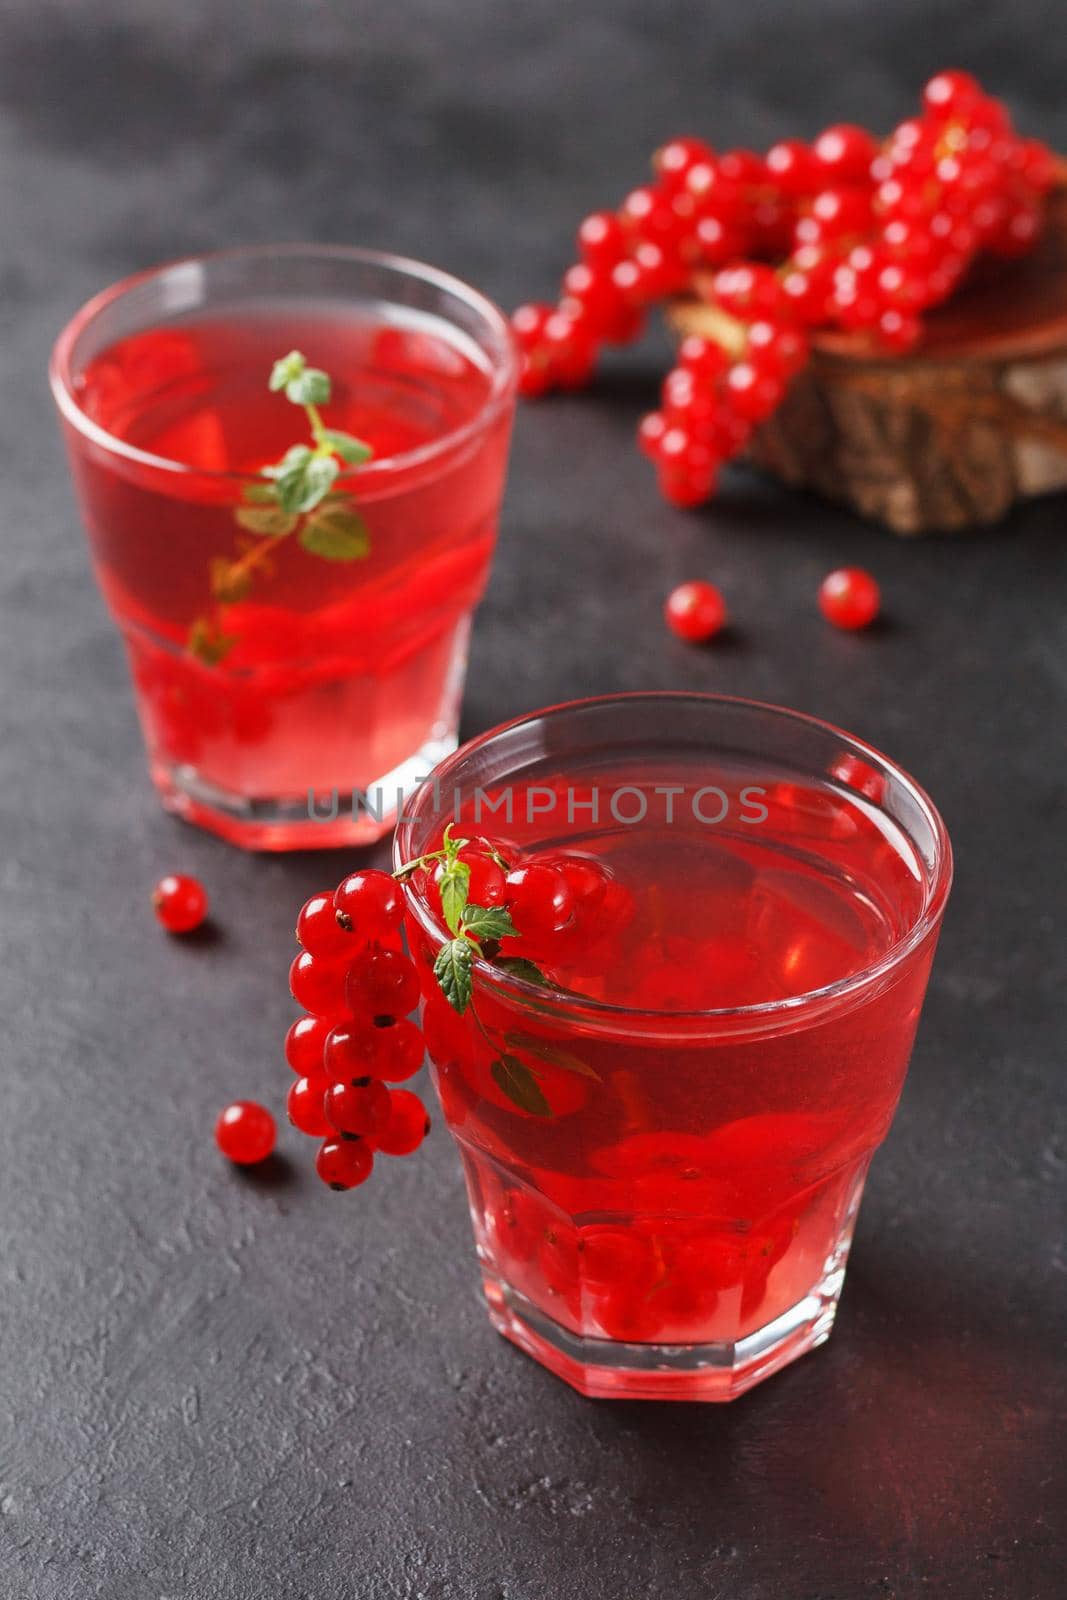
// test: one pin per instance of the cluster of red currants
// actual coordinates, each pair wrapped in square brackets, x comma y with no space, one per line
[844,233]
[357,988]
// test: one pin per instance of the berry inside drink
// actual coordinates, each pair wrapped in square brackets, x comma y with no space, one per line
[665,1149]
[333,665]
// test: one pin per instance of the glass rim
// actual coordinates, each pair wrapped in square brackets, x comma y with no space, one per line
[504,373]
[790,1008]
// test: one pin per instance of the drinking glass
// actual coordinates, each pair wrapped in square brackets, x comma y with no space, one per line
[294,674]
[665,1150]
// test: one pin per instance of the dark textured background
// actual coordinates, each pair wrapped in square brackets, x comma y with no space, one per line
[212,1388]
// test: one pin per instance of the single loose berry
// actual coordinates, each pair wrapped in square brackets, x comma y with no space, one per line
[695,611]
[359,1107]
[539,899]
[406,1125]
[344,1163]
[179,902]
[369,902]
[245,1132]
[382,983]
[318,984]
[304,1103]
[305,1045]
[849,598]
[319,931]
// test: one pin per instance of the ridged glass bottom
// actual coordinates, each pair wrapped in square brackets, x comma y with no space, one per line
[607,1369]
[313,823]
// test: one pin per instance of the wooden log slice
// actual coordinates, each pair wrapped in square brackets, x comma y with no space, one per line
[947,438]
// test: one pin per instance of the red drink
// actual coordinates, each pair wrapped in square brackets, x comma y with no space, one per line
[339,679]
[665,1171]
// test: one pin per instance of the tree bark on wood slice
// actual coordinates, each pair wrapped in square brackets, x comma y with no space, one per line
[947,438]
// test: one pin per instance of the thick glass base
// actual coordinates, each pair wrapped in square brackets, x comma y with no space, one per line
[607,1369]
[313,822]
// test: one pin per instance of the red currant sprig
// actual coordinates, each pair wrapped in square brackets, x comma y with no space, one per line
[867,238]
[357,987]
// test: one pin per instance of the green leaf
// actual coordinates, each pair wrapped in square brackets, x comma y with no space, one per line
[269,520]
[208,643]
[296,455]
[305,479]
[452,969]
[514,1078]
[451,847]
[522,967]
[454,883]
[262,493]
[310,387]
[336,534]
[489,922]
[545,1051]
[347,446]
[284,371]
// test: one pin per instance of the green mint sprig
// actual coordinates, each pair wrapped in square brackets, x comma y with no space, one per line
[295,495]
[476,932]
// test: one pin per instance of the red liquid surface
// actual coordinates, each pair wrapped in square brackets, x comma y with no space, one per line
[691,1180]
[341,670]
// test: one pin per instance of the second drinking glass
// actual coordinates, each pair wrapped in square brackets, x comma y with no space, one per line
[295,670]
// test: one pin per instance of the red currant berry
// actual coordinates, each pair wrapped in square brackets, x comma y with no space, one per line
[719,242]
[406,1126]
[351,1050]
[1035,164]
[686,490]
[650,434]
[849,598]
[369,902]
[539,900]
[400,1051]
[750,290]
[673,161]
[179,902]
[846,152]
[319,931]
[695,611]
[535,377]
[704,358]
[344,1163]
[570,349]
[486,885]
[951,91]
[752,393]
[899,330]
[528,325]
[359,1107]
[245,1132]
[776,350]
[744,167]
[601,240]
[318,985]
[382,983]
[304,1104]
[792,167]
[305,1045]
[694,407]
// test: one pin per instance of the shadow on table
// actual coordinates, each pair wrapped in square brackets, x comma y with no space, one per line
[926,1427]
